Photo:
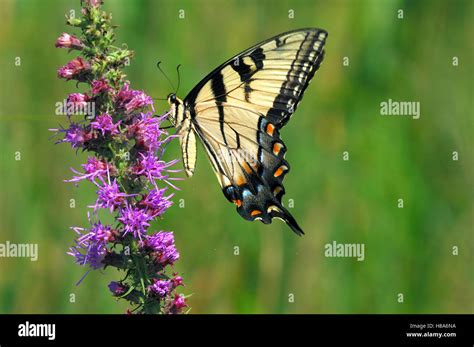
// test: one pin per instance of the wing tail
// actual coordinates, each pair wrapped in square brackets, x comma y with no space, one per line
[288,219]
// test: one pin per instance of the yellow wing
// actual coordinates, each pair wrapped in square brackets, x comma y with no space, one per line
[238,110]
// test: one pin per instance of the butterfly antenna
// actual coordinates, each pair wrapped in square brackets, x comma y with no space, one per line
[179,78]
[161,70]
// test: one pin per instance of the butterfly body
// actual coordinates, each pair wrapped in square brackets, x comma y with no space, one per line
[237,112]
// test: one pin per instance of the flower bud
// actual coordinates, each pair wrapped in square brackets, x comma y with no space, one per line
[73,68]
[69,41]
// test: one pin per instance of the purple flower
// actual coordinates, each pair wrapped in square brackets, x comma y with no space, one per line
[156,201]
[117,288]
[131,100]
[78,99]
[162,247]
[76,135]
[135,220]
[105,124]
[68,41]
[93,168]
[91,246]
[99,86]
[152,168]
[179,302]
[177,281]
[161,287]
[74,68]
[76,102]
[146,130]
[109,196]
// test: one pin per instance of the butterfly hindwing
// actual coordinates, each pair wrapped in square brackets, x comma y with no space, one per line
[238,110]
[250,169]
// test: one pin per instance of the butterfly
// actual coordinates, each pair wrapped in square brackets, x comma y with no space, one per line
[237,112]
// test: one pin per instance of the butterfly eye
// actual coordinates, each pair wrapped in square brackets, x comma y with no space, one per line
[172,98]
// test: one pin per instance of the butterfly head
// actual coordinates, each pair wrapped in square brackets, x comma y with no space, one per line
[176,109]
[172,98]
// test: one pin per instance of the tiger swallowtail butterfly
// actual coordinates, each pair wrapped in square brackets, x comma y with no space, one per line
[237,112]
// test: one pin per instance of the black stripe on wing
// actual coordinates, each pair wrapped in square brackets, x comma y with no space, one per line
[257,54]
[219,91]
[311,54]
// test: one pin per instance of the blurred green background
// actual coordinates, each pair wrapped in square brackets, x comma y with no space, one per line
[407,250]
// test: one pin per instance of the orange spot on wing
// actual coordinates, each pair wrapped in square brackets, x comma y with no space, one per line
[255,213]
[270,129]
[240,180]
[279,171]
[277,146]
[237,202]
